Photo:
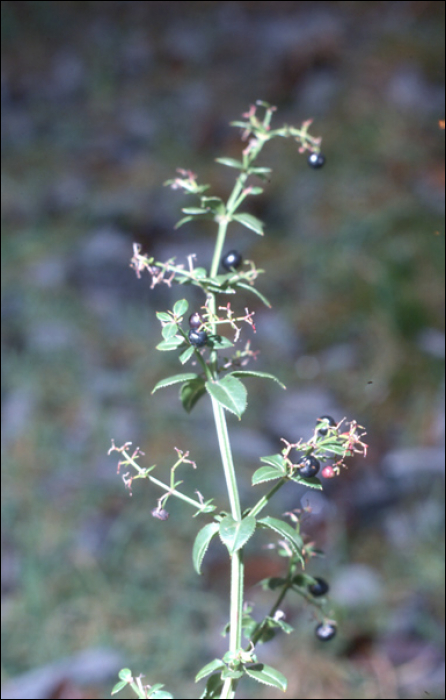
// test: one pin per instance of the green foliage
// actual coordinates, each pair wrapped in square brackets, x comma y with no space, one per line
[219,376]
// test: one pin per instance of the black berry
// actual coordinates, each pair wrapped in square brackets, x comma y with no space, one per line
[310,467]
[319,588]
[316,160]
[198,338]
[322,424]
[325,631]
[195,321]
[232,260]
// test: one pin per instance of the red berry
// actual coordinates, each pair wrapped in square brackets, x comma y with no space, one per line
[328,472]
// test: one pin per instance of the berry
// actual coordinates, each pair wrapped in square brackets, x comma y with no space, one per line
[310,466]
[319,588]
[198,338]
[316,160]
[325,631]
[231,260]
[328,472]
[195,321]
[322,424]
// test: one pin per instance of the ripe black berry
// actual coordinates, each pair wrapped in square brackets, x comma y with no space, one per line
[322,424]
[325,631]
[231,260]
[316,160]
[319,588]
[198,338]
[195,321]
[310,466]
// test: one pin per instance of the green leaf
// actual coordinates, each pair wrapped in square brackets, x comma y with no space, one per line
[184,220]
[242,125]
[170,344]
[119,686]
[186,355]
[230,393]
[194,211]
[169,330]
[201,544]
[125,674]
[250,288]
[333,447]
[267,675]
[215,665]
[215,204]
[175,379]
[162,316]
[277,461]
[285,531]
[213,687]
[249,221]
[251,373]
[312,482]
[235,533]
[256,190]
[180,307]
[230,162]
[222,343]
[259,171]
[160,695]
[191,392]
[272,583]
[265,474]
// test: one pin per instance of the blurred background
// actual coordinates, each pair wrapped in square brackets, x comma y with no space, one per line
[101,102]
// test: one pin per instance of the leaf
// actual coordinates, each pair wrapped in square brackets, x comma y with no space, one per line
[212,666]
[267,675]
[182,221]
[169,330]
[312,482]
[259,170]
[230,162]
[265,474]
[230,393]
[235,533]
[252,373]
[285,531]
[119,686]
[174,379]
[256,190]
[213,687]
[162,316]
[180,307]
[191,392]
[186,355]
[170,344]
[333,447]
[161,695]
[249,221]
[222,343]
[201,544]
[250,288]
[215,204]
[277,461]
[194,211]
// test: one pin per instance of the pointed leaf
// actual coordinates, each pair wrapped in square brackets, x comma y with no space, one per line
[180,307]
[230,393]
[255,291]
[162,316]
[186,355]
[201,544]
[251,373]
[182,221]
[312,482]
[259,171]
[215,665]
[175,379]
[194,211]
[230,162]
[235,533]
[191,391]
[249,221]
[285,531]
[222,343]
[171,343]
[267,675]
[277,461]
[265,474]
[213,688]
[169,330]
[119,686]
